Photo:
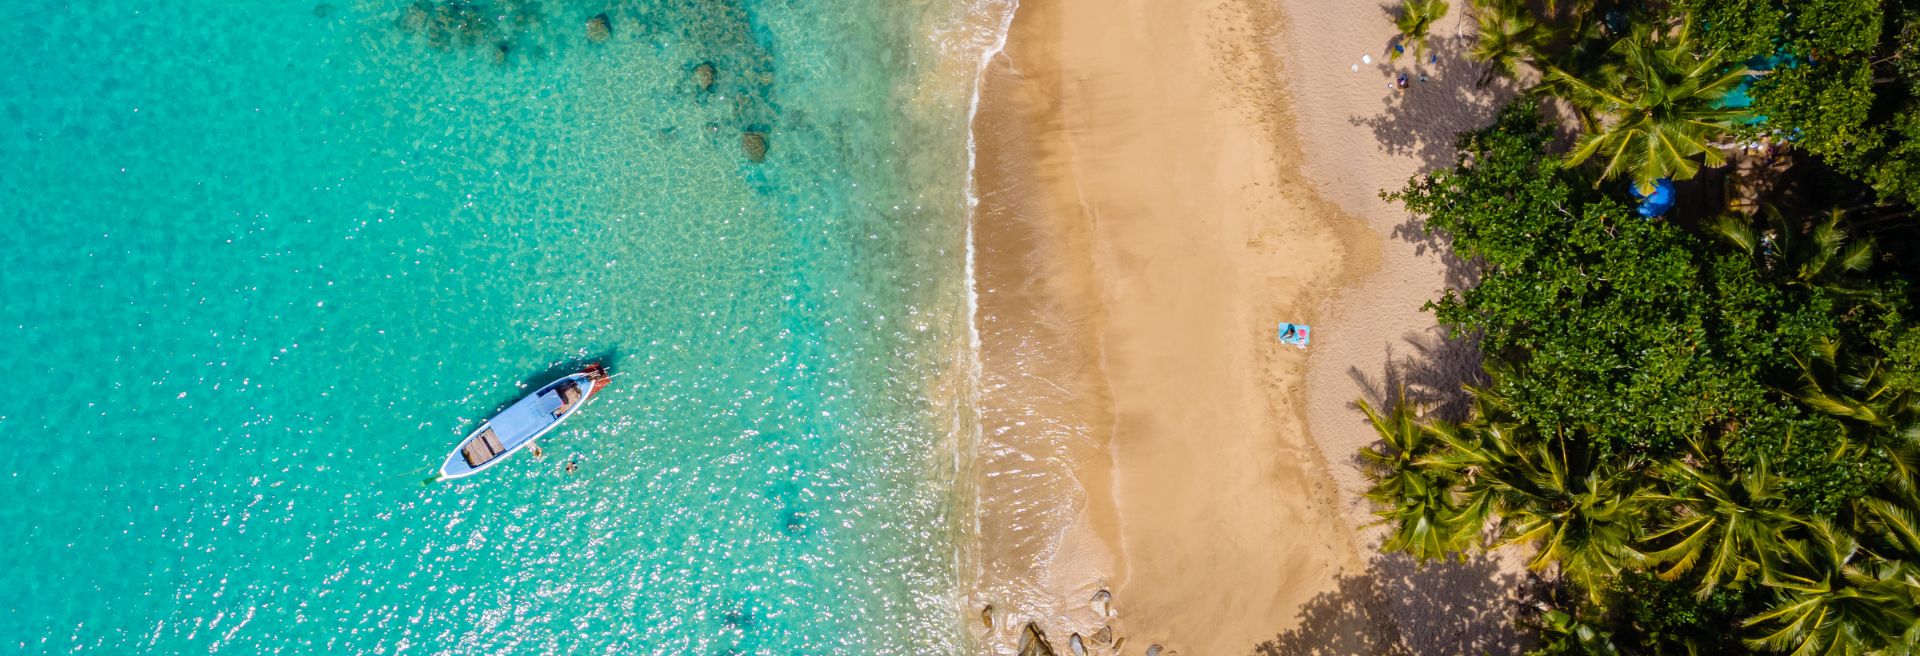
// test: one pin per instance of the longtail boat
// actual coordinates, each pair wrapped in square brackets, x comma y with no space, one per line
[523,422]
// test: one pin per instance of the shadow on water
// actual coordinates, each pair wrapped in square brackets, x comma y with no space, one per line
[1398,607]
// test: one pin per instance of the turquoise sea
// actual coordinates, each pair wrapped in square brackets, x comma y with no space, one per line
[262,262]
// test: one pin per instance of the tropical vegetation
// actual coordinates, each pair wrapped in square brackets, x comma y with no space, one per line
[1702,426]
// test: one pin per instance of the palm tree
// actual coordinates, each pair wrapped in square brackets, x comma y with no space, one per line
[1508,34]
[1577,509]
[1732,521]
[1861,389]
[1816,256]
[1827,602]
[1415,495]
[1416,21]
[1893,532]
[1652,108]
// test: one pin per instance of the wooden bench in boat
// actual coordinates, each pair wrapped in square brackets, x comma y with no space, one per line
[483,448]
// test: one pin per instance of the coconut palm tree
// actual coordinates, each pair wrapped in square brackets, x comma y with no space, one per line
[1508,37]
[1416,21]
[1729,522]
[1652,108]
[1816,253]
[1830,601]
[1577,509]
[1860,389]
[1415,496]
[1892,531]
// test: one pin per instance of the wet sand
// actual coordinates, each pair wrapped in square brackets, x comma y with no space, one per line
[1154,198]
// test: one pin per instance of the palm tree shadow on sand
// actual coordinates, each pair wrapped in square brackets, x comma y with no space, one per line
[1446,94]
[1398,607]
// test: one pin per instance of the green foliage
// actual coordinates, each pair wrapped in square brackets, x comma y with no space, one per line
[1848,92]
[1823,469]
[1827,105]
[1604,320]
[1564,634]
[1659,616]
[1754,27]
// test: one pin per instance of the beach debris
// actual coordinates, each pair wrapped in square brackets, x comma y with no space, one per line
[754,143]
[1103,637]
[1153,650]
[599,28]
[986,616]
[1296,334]
[703,75]
[1366,59]
[1356,68]
[1034,643]
[1079,646]
[1103,603]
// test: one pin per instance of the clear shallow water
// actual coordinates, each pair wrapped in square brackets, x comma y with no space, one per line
[262,263]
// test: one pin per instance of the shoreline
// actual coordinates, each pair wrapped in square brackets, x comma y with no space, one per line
[1154,196]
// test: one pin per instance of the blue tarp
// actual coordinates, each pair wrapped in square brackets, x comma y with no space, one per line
[1658,201]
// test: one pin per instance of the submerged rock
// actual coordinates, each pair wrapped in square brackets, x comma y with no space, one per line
[500,52]
[1103,603]
[703,76]
[322,10]
[599,28]
[755,145]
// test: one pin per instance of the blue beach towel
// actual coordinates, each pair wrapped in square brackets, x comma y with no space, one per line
[1295,334]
